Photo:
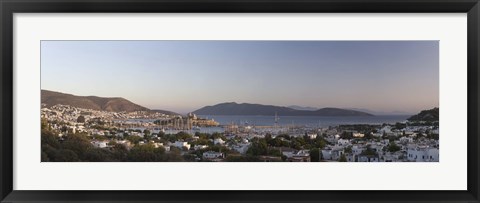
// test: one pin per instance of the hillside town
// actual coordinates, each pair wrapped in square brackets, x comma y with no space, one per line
[76,134]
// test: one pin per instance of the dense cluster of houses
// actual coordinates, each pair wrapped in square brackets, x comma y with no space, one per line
[399,145]
[386,144]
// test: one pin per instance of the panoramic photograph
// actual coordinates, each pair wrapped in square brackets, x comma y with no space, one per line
[239,101]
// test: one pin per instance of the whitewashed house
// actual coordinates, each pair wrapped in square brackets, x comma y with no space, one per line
[350,157]
[377,134]
[406,139]
[218,141]
[241,148]
[343,142]
[181,145]
[423,154]
[368,158]
[312,136]
[212,155]
[386,129]
[356,150]
[100,144]
[358,135]
[198,147]
[332,153]
[326,154]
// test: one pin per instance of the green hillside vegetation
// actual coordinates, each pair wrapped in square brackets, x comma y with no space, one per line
[77,147]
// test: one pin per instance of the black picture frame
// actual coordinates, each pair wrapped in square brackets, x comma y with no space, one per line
[9,7]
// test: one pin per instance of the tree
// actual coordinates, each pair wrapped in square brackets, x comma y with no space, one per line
[78,143]
[182,136]
[45,157]
[146,153]
[216,135]
[99,137]
[274,152]
[268,137]
[81,119]
[134,139]
[348,149]
[320,142]
[44,124]
[343,158]
[97,155]
[392,147]
[277,142]
[147,134]
[258,147]
[346,135]
[48,138]
[315,155]
[120,152]
[369,151]
[48,153]
[66,155]
[400,125]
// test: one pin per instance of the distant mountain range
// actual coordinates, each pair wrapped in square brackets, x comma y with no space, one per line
[378,113]
[118,104]
[233,108]
[427,115]
[114,104]
[303,108]
[381,112]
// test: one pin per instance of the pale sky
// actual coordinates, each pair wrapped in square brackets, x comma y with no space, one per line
[183,76]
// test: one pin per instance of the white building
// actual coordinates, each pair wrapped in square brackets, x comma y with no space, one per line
[181,144]
[406,139]
[197,147]
[100,144]
[343,142]
[241,148]
[332,138]
[350,157]
[387,129]
[218,141]
[212,155]
[391,157]
[422,154]
[358,135]
[312,136]
[357,150]
[332,154]
[368,158]
[377,134]
[288,152]
[156,144]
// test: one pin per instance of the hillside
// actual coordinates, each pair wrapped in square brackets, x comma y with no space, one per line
[303,108]
[426,115]
[233,108]
[115,104]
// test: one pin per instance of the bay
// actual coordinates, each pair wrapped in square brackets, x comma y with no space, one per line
[307,121]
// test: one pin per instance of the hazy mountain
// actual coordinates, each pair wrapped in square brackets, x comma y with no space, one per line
[115,104]
[233,108]
[303,108]
[427,115]
[381,112]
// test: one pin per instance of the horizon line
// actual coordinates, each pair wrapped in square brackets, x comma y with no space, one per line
[359,109]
